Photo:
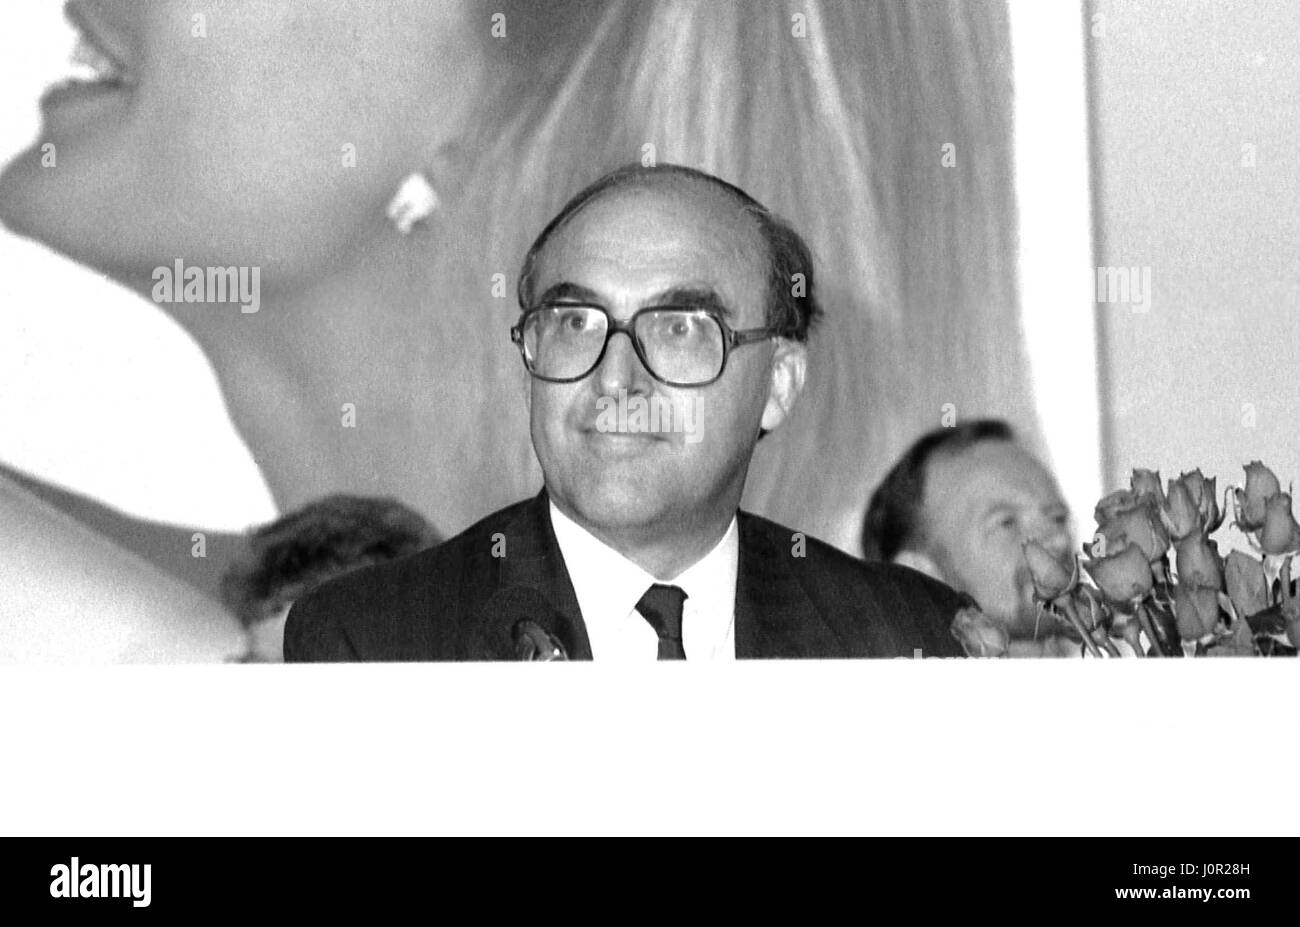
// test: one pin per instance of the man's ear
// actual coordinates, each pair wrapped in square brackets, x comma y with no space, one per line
[789,366]
[919,561]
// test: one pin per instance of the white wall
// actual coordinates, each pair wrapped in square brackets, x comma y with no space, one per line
[1209,375]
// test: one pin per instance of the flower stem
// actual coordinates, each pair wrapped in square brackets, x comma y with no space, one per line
[1072,613]
[1133,636]
[1148,625]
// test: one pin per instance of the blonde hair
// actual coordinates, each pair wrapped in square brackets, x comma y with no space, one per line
[835,115]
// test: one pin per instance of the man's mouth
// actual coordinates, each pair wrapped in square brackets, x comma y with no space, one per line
[617,445]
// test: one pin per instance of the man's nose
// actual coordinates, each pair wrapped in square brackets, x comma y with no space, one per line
[621,369]
[1055,538]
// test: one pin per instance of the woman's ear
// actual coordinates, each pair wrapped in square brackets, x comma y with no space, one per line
[789,367]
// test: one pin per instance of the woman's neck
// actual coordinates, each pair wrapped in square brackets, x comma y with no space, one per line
[376,380]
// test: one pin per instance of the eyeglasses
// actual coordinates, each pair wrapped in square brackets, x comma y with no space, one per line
[678,345]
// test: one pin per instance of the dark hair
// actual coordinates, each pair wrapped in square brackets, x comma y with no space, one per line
[292,555]
[790,315]
[893,520]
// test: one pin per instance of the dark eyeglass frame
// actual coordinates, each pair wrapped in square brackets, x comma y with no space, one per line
[731,338]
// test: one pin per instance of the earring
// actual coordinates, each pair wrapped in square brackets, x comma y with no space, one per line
[414,202]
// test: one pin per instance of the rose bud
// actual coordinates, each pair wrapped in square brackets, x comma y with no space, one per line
[1109,505]
[1204,495]
[1194,480]
[1051,578]
[1261,485]
[1103,545]
[1247,585]
[980,635]
[1196,609]
[1209,505]
[1123,577]
[1141,525]
[1198,563]
[1147,483]
[1181,515]
[1281,533]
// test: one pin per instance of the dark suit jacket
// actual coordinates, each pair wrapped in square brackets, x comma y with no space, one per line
[435,605]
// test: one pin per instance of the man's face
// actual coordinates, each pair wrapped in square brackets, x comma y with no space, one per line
[981,505]
[674,241]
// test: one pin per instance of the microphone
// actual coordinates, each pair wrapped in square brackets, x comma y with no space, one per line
[534,644]
[532,620]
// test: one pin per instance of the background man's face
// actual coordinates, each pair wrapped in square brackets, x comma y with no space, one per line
[980,506]
[675,241]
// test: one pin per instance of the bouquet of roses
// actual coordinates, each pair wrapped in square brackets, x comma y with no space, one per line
[1126,595]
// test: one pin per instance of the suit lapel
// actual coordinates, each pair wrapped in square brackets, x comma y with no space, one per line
[533,560]
[774,616]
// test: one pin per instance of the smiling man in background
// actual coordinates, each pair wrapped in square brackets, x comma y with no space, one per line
[671,287]
[958,506]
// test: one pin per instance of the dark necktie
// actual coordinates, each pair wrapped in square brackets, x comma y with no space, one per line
[662,607]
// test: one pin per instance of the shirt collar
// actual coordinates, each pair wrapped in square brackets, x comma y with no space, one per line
[608,585]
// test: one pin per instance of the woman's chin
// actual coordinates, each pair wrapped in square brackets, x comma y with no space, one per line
[36,203]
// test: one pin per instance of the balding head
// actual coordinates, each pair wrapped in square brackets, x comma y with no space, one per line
[787,266]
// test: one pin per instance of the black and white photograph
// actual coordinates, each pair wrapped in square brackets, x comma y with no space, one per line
[913,372]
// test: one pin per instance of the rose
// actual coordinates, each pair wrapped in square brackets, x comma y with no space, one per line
[1147,483]
[1261,485]
[1124,577]
[1280,533]
[1196,609]
[1140,526]
[1051,578]
[1205,494]
[1112,503]
[1198,563]
[1181,515]
[1247,585]
[980,635]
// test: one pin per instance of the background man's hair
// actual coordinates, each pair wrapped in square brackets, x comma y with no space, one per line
[893,519]
[789,315]
[294,554]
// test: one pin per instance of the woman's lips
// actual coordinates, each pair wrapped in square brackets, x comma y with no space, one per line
[71,92]
[99,77]
[98,56]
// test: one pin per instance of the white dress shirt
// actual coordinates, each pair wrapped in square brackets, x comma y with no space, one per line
[608,586]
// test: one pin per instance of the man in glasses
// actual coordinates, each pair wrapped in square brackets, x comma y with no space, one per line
[663,325]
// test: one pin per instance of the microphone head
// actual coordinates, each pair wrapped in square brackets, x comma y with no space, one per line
[534,644]
[532,621]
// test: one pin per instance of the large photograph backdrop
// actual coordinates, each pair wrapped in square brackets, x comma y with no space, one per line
[954,166]
[379,363]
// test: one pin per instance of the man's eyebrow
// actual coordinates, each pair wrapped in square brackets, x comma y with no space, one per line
[565,290]
[699,297]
